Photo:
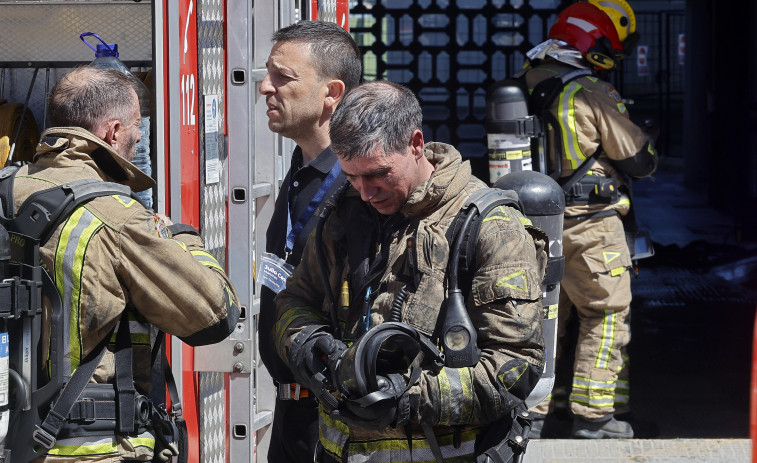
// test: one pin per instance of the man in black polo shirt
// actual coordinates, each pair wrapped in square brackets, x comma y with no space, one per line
[311,66]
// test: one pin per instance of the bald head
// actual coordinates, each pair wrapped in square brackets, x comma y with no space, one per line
[88,97]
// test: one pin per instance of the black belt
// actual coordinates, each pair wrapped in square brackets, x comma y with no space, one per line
[593,190]
[593,215]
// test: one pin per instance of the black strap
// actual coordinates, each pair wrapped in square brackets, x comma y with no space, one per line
[578,174]
[47,433]
[89,410]
[555,270]
[125,391]
[177,424]
[7,175]
[44,210]
[173,392]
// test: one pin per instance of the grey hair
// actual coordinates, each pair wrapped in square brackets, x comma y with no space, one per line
[375,115]
[87,97]
[333,52]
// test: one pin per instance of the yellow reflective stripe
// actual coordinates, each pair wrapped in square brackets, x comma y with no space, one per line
[105,446]
[624,201]
[584,382]
[597,394]
[610,256]
[525,221]
[75,235]
[445,397]
[127,201]
[516,280]
[333,434]
[399,451]
[207,260]
[617,271]
[501,209]
[510,378]
[566,112]
[592,400]
[456,398]
[608,340]
[180,243]
[136,338]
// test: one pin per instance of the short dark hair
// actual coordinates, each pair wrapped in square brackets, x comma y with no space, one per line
[373,115]
[334,53]
[86,97]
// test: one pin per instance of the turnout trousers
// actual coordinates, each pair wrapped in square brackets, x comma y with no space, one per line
[598,283]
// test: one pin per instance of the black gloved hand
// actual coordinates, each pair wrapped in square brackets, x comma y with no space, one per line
[389,406]
[314,358]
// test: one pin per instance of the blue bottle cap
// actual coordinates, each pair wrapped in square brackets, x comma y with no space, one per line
[106,49]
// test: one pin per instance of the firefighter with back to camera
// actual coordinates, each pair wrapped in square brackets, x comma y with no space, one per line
[374,275]
[311,66]
[594,151]
[114,262]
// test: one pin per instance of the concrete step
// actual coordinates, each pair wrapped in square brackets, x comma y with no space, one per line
[639,450]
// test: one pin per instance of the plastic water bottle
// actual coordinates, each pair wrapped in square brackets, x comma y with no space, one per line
[106,57]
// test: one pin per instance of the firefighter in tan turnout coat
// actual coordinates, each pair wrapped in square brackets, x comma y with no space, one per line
[389,245]
[591,129]
[113,255]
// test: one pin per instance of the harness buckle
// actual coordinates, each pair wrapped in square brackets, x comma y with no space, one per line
[87,410]
[43,438]
[291,391]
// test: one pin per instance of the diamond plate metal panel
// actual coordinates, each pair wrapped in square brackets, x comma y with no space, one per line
[327,10]
[212,210]
[212,418]
[211,80]
[49,31]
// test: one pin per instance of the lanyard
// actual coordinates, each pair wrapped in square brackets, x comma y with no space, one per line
[294,230]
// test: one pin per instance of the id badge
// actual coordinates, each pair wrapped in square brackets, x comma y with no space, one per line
[274,272]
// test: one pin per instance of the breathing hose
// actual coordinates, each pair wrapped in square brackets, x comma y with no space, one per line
[395,314]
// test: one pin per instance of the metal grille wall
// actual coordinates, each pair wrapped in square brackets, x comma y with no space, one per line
[448,52]
[656,84]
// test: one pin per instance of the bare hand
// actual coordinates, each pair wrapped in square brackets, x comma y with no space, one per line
[165,219]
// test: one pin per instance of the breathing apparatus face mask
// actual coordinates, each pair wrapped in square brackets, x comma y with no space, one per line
[385,349]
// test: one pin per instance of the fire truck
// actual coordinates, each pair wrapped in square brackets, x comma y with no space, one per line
[217,166]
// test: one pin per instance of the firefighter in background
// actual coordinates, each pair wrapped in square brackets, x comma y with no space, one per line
[112,255]
[591,125]
[311,66]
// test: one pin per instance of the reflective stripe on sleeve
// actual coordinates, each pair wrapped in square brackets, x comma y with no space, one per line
[207,260]
[333,434]
[456,396]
